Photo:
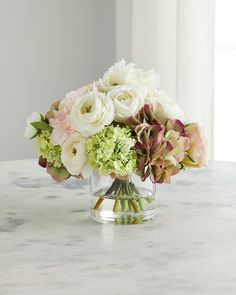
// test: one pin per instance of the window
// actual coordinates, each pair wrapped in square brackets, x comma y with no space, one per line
[225,81]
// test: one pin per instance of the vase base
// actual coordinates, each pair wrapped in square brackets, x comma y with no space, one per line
[105,216]
[123,203]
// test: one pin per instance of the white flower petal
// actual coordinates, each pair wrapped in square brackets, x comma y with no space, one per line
[34,117]
[171,109]
[127,101]
[91,113]
[73,154]
[120,74]
[150,80]
[30,131]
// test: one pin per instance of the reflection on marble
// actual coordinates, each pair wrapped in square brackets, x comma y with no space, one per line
[49,246]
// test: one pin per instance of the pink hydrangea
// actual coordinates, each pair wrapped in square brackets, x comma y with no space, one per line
[160,146]
[196,154]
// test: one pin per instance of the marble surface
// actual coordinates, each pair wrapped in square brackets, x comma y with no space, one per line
[49,246]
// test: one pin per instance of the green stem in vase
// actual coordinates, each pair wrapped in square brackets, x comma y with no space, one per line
[141,204]
[99,202]
[116,205]
[147,199]
[123,205]
[123,220]
[134,205]
[113,187]
[127,199]
[130,206]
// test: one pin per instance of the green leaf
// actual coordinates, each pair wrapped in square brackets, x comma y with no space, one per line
[42,162]
[35,135]
[41,126]
[42,117]
[58,174]
[186,125]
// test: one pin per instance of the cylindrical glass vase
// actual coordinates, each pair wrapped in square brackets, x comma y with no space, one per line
[122,201]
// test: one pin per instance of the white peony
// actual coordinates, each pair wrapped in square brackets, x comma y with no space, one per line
[74,157]
[119,74]
[91,113]
[171,110]
[127,101]
[30,131]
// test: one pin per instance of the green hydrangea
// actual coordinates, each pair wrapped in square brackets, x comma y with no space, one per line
[47,150]
[109,151]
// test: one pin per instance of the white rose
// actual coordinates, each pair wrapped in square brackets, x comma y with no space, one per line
[119,74]
[171,109]
[127,101]
[91,113]
[30,131]
[74,157]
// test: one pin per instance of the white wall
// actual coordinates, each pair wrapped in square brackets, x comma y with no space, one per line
[48,47]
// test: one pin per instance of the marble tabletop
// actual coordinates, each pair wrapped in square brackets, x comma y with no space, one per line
[49,246]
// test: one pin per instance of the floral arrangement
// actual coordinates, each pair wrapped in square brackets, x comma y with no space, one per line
[119,125]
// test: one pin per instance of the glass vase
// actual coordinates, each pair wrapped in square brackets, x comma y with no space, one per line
[122,201]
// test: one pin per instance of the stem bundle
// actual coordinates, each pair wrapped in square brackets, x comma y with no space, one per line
[127,199]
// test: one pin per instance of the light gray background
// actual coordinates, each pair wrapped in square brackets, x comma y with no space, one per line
[48,48]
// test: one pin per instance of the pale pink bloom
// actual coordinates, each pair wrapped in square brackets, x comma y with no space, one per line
[62,129]
[196,154]
[61,123]
[85,89]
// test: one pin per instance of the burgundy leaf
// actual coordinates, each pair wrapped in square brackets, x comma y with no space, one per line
[42,162]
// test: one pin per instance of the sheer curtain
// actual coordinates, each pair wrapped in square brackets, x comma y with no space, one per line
[176,38]
[225,73]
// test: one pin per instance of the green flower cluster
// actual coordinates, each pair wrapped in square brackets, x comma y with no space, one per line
[47,150]
[109,151]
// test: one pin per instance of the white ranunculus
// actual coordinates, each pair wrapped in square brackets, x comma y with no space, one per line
[120,74]
[91,113]
[171,109]
[74,157]
[30,131]
[127,101]
[150,80]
